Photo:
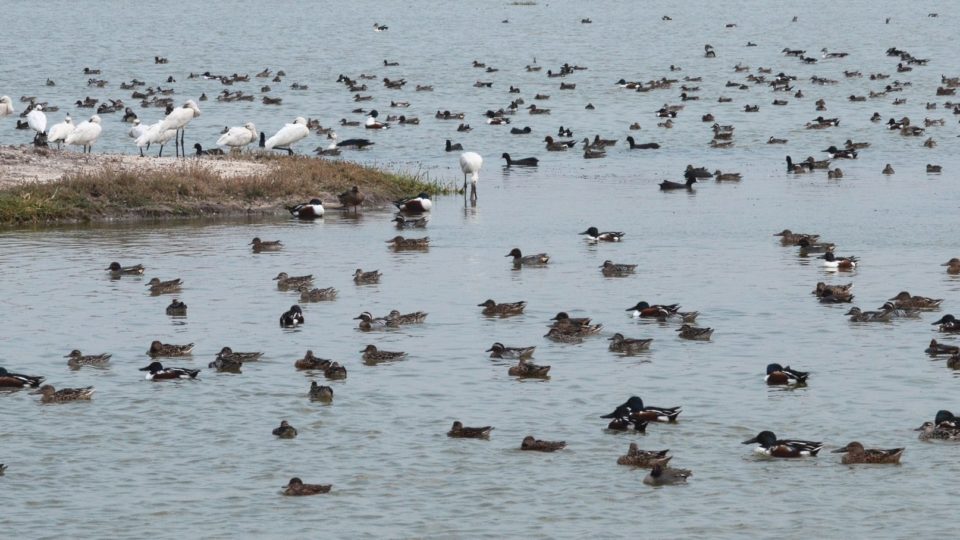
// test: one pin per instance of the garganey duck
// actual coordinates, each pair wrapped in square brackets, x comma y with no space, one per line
[769,445]
[499,350]
[695,333]
[372,355]
[361,277]
[504,309]
[400,243]
[624,345]
[369,322]
[644,458]
[611,269]
[158,349]
[286,282]
[309,361]
[158,287]
[316,295]
[395,318]
[858,315]
[525,369]
[266,245]
[116,270]
[661,475]
[78,359]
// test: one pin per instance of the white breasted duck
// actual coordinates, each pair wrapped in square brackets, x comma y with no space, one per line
[594,235]
[769,445]
[372,123]
[309,210]
[156,372]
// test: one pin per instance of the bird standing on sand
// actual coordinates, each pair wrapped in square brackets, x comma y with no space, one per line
[177,120]
[238,136]
[287,135]
[85,134]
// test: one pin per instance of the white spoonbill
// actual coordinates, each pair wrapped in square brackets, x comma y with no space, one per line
[156,134]
[238,136]
[470,163]
[287,135]
[6,106]
[85,134]
[136,131]
[59,132]
[178,119]
[37,122]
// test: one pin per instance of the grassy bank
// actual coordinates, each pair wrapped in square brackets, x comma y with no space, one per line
[189,189]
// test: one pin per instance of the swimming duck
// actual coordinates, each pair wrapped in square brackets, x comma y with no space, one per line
[285,431]
[292,317]
[576,325]
[624,423]
[530,260]
[369,322]
[774,140]
[856,453]
[16,380]
[905,300]
[644,146]
[49,394]
[833,262]
[460,431]
[156,372]
[296,488]
[939,348]
[230,354]
[634,408]
[695,333]
[900,313]
[395,318]
[532,444]
[945,418]
[286,282]
[400,242]
[934,168]
[557,146]
[611,269]
[561,336]
[177,308]
[594,235]
[837,291]
[335,371]
[309,361]
[769,445]
[857,315]
[167,349]
[644,458]
[837,153]
[661,475]
[116,270]
[620,344]
[778,375]
[226,364]
[373,355]
[78,359]
[659,311]
[525,369]
[504,309]
[499,350]
[930,431]
[406,223]
[372,122]
[320,393]
[888,169]
[308,210]
[948,323]
[524,162]
[668,185]
[158,287]
[316,295]
[268,245]
[728,177]
[418,204]
[789,238]
[807,247]
[953,266]
[361,277]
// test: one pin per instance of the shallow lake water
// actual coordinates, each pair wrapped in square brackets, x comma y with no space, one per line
[196,458]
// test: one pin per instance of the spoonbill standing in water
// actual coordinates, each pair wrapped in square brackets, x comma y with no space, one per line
[85,134]
[238,136]
[287,135]
[59,132]
[178,119]
[37,122]
[6,106]
[470,163]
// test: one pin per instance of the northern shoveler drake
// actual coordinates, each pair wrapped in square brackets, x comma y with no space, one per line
[644,458]
[415,205]
[933,432]
[833,262]
[661,475]
[226,364]
[320,393]
[168,349]
[227,352]
[317,295]
[285,282]
[372,355]
[116,270]
[939,348]
[292,317]
[335,371]
[177,309]
[399,242]
[635,408]
[536,445]
[156,372]
[460,431]
[695,333]
[837,153]
[905,300]
[858,315]
[78,359]
[307,211]
[49,394]
[953,266]
[611,269]
[406,223]
[945,418]
[948,323]
[623,423]
[856,453]
[790,238]
[657,311]
[395,318]
[158,287]
[530,260]
[499,350]
[525,369]
[503,309]
[266,245]
[769,445]
[285,431]
[778,375]
[309,361]
[296,488]
[369,322]
[624,345]
[352,197]
[361,277]
[560,336]
[16,380]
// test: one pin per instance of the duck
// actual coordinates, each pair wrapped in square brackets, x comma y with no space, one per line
[525,369]
[644,458]
[201,151]
[856,453]
[361,277]
[835,174]
[352,197]
[265,245]
[399,242]
[286,282]
[504,309]
[661,475]
[499,350]
[837,153]
[948,323]
[292,317]
[296,488]
[635,408]
[395,318]
[176,308]
[774,140]
[789,238]
[308,210]
[17,380]
[309,361]
[420,203]
[524,162]
[728,177]
[695,333]
[823,289]
[594,235]
[660,311]
[888,169]
[611,269]
[285,431]
[156,372]
[936,348]
[317,295]
[807,247]
[453,147]
[579,325]
[369,322]
[406,223]
[227,352]
[930,431]
[778,375]
[158,349]
[934,168]
[371,121]
[116,270]
[460,431]
[621,344]
[520,131]
[668,185]
[558,146]
[769,445]
[953,266]
[78,359]
[833,262]
[531,443]
[530,260]
[900,313]
[160,287]
[226,364]
[373,355]
[905,300]
[858,315]
[49,394]
[645,146]
[560,336]
[335,371]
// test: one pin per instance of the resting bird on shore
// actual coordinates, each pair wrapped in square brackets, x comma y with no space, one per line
[85,134]
[178,119]
[238,136]
[59,132]
[288,135]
